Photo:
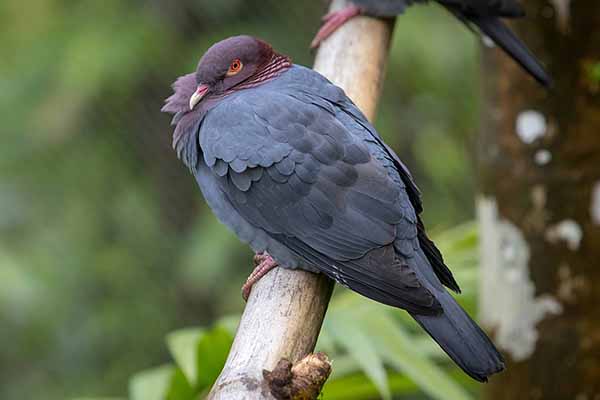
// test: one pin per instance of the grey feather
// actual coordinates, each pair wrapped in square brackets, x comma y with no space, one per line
[338,190]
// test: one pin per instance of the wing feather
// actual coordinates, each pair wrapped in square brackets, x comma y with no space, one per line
[321,192]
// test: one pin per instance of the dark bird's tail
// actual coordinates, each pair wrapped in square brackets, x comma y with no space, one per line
[496,30]
[455,332]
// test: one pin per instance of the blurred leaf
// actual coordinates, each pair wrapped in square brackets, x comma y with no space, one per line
[152,384]
[213,349]
[349,333]
[200,354]
[360,387]
[183,345]
[161,383]
[179,387]
[397,348]
[460,238]
[343,365]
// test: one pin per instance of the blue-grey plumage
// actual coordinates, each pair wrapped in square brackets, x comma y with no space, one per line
[292,166]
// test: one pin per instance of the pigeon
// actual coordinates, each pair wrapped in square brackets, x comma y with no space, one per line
[482,15]
[287,161]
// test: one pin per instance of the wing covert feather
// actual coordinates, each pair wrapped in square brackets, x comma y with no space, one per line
[319,189]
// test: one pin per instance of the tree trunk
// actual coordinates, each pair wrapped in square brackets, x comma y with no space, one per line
[539,208]
[286,308]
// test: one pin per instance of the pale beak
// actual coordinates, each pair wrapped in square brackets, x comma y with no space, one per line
[198,95]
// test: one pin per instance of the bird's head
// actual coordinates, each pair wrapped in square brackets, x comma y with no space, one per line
[228,63]
[232,64]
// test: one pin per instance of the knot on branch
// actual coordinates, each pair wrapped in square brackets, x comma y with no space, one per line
[300,381]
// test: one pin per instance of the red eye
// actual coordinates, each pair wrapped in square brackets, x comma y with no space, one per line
[235,67]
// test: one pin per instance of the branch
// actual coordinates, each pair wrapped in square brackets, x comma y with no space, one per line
[284,313]
[354,58]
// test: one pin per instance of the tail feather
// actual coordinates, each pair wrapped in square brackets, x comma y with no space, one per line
[435,258]
[456,333]
[496,30]
[460,337]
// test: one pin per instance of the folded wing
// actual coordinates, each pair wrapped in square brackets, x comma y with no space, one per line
[297,171]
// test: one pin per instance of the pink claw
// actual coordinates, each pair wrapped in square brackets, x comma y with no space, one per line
[263,264]
[333,21]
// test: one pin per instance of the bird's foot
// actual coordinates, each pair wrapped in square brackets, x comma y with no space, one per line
[333,21]
[263,263]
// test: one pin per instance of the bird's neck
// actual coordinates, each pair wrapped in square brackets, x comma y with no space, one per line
[271,69]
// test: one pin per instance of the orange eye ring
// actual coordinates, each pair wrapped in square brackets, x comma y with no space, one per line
[235,67]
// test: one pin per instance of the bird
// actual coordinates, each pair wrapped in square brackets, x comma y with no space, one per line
[287,162]
[479,15]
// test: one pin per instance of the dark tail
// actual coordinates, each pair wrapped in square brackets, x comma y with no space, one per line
[456,333]
[512,45]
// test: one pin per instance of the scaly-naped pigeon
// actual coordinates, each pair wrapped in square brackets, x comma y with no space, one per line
[483,15]
[291,165]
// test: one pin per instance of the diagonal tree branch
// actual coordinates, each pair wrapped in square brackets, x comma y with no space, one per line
[284,313]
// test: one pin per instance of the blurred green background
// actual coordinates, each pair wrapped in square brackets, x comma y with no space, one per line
[105,242]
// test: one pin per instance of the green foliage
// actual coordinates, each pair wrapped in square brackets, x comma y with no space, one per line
[199,356]
[153,384]
[375,350]
[183,346]
[347,331]
[105,243]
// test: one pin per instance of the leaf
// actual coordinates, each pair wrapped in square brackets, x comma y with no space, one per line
[183,346]
[343,365]
[351,336]
[360,387]
[200,354]
[151,384]
[398,349]
[161,383]
[180,388]
[212,352]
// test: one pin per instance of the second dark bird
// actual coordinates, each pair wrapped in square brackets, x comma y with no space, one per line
[482,15]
